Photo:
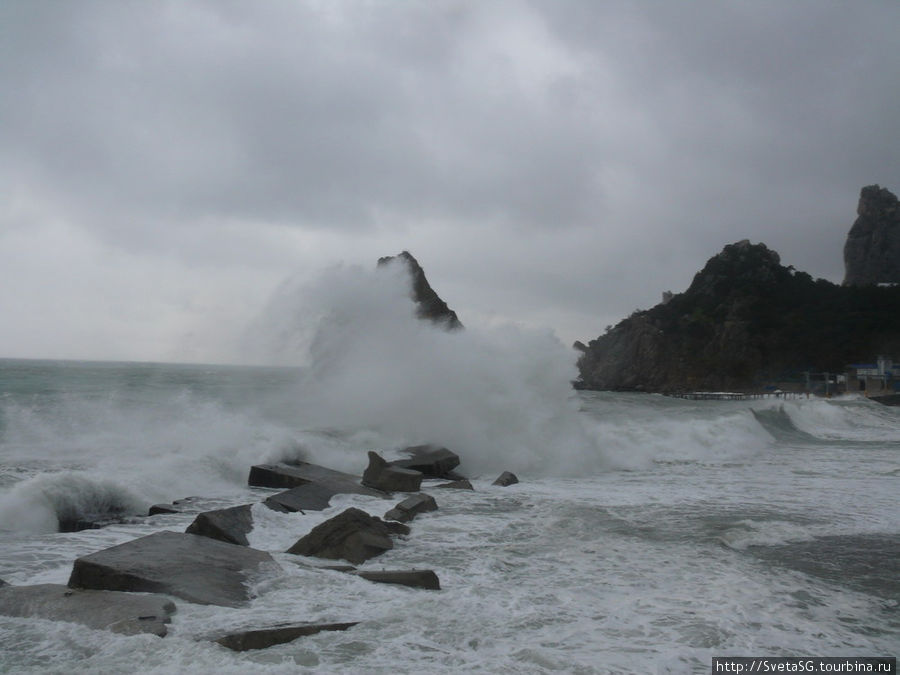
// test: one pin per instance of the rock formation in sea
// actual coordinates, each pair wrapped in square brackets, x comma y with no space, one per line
[262,638]
[745,322]
[351,535]
[411,507]
[872,250]
[195,568]
[124,588]
[230,525]
[429,304]
[432,461]
[380,475]
[506,479]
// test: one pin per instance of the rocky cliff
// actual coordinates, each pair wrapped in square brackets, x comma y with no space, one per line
[745,321]
[872,251]
[429,305]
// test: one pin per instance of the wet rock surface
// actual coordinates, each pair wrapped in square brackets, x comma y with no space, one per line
[307,497]
[161,509]
[126,613]
[286,476]
[261,638]
[506,478]
[432,461]
[463,484]
[352,535]
[410,507]
[197,569]
[381,475]
[426,579]
[229,525]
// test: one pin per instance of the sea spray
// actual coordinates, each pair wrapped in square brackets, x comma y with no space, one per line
[501,397]
[48,502]
[115,456]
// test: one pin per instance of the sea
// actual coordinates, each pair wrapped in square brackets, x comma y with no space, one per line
[647,534]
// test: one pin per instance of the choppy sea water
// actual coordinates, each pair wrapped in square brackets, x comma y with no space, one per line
[647,534]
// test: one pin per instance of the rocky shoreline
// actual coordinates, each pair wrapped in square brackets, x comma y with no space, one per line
[128,588]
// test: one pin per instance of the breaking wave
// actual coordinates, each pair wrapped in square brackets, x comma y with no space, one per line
[851,418]
[829,421]
[48,502]
[80,458]
[501,397]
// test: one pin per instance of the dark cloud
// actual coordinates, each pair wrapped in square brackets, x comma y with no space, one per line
[285,113]
[554,162]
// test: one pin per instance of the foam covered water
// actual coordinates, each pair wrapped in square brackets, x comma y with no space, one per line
[647,534]
[567,575]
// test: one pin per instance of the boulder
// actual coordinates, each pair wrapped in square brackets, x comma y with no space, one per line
[382,476]
[410,507]
[426,579]
[432,461]
[3,583]
[197,569]
[126,613]
[306,497]
[395,527]
[261,638]
[177,506]
[352,535]
[463,484]
[76,522]
[158,509]
[286,476]
[506,478]
[338,568]
[230,525]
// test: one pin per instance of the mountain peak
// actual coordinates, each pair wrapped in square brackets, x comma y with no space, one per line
[872,250]
[429,304]
[741,264]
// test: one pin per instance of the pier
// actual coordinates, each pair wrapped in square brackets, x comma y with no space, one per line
[734,395]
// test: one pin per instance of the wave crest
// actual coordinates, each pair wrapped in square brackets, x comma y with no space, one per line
[64,501]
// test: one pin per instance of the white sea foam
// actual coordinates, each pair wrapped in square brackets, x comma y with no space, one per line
[847,418]
[750,532]
[115,458]
[615,572]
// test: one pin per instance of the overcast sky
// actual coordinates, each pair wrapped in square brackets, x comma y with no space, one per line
[164,166]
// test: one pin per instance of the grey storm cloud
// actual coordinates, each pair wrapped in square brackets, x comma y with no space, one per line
[277,111]
[555,162]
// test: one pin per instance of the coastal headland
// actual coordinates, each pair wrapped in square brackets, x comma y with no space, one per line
[749,324]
